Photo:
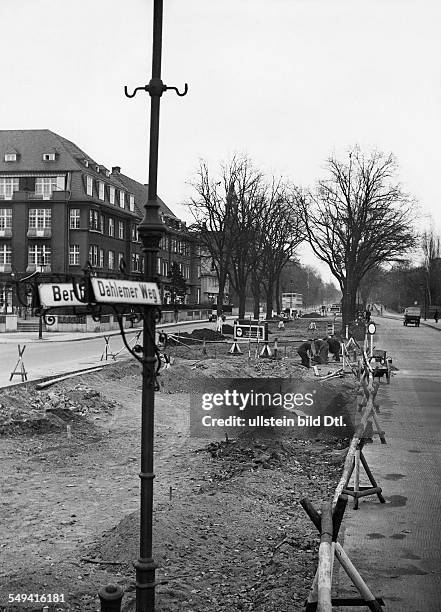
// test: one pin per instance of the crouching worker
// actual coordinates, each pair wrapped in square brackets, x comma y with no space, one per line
[321,351]
[334,347]
[304,351]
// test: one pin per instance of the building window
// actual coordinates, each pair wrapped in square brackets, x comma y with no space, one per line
[132,203]
[101,223]
[94,220]
[5,218]
[5,254]
[135,236]
[111,260]
[89,185]
[121,199]
[112,195]
[40,218]
[101,190]
[45,185]
[121,230]
[39,256]
[7,187]
[10,157]
[136,263]
[74,255]
[101,260]
[93,255]
[158,261]
[48,156]
[120,259]
[74,218]
[164,268]
[111,227]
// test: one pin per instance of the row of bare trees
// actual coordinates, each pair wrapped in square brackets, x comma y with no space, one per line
[356,219]
[250,226]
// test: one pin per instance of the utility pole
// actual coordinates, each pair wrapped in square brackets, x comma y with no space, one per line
[151,230]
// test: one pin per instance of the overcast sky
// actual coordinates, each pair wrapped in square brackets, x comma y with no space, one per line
[289,82]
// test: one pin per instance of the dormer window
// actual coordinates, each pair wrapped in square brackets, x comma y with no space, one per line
[89,185]
[48,156]
[86,163]
[10,157]
[107,173]
[97,168]
[121,199]
[132,203]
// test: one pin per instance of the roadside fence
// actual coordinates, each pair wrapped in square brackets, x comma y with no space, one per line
[328,522]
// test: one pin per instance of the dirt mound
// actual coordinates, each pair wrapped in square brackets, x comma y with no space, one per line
[188,376]
[234,539]
[195,337]
[27,410]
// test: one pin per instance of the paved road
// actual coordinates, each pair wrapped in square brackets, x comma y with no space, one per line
[51,358]
[397,546]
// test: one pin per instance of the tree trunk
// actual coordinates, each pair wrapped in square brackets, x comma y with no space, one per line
[349,291]
[269,300]
[220,295]
[278,300]
[242,303]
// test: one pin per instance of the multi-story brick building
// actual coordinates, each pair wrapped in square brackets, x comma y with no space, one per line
[59,209]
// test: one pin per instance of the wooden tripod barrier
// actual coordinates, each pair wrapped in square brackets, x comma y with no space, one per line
[314,600]
[20,365]
[107,352]
[358,491]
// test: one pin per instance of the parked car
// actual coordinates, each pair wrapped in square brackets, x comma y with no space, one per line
[412,314]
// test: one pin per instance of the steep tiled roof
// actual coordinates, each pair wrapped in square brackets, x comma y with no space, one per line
[30,146]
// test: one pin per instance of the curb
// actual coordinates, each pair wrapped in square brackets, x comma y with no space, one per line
[114,332]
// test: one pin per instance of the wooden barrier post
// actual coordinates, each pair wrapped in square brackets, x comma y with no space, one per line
[324,603]
[22,372]
[106,352]
[367,598]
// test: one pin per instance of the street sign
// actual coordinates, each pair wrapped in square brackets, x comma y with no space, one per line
[371,328]
[111,291]
[250,329]
[58,294]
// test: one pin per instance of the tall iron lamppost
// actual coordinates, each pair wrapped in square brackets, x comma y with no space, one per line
[151,230]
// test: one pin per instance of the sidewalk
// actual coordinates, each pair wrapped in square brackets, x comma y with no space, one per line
[396,546]
[26,338]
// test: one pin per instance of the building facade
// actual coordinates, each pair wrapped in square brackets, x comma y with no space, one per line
[60,209]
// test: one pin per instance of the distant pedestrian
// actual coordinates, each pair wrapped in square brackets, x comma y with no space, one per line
[367,315]
[281,325]
[436,315]
[176,314]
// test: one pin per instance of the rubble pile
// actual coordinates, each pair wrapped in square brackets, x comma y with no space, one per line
[24,409]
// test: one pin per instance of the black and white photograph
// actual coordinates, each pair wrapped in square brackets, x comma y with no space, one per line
[220,300]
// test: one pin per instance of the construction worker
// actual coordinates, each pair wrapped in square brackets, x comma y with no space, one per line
[321,351]
[304,351]
[334,347]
